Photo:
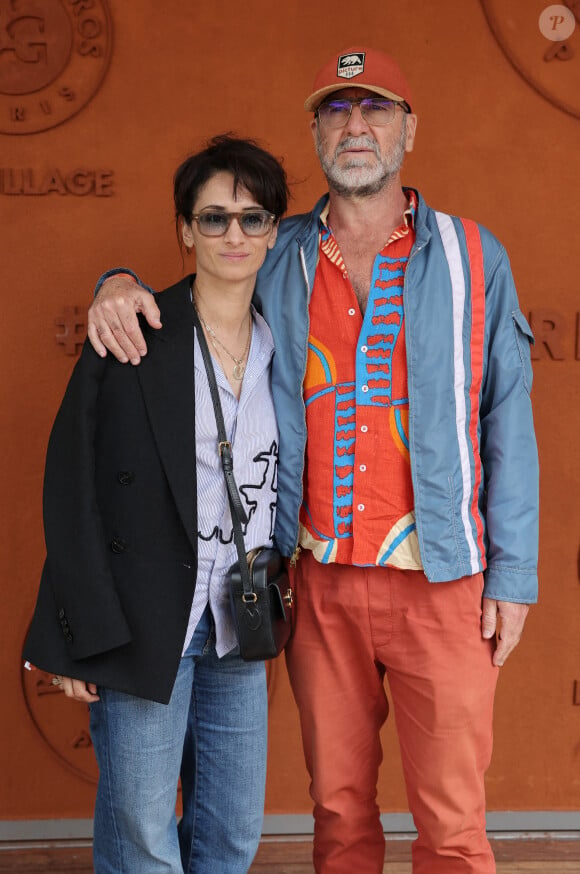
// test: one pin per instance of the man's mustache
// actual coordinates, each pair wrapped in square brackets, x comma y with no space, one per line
[357,143]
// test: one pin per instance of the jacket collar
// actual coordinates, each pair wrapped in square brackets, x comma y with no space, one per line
[422,220]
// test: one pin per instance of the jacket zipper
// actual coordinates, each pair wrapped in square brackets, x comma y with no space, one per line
[297,549]
[304,269]
[295,556]
[416,511]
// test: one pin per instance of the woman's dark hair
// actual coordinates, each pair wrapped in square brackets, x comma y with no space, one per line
[251,167]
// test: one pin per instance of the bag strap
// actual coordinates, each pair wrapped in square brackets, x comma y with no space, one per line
[225,452]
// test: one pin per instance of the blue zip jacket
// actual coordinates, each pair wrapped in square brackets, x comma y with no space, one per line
[473,452]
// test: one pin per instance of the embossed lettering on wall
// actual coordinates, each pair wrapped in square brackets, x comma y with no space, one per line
[557,337]
[80,182]
[542,42]
[53,57]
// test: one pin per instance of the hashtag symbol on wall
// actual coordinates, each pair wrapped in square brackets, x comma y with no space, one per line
[73,325]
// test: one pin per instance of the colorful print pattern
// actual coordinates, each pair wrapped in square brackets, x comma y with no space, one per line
[358,501]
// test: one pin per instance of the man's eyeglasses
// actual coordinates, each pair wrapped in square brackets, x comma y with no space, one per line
[253,222]
[376,111]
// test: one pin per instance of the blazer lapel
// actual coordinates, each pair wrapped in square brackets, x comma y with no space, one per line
[166,375]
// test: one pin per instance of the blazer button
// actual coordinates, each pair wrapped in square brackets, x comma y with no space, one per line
[125,477]
[118,546]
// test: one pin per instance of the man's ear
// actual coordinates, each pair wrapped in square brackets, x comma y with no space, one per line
[314,128]
[410,132]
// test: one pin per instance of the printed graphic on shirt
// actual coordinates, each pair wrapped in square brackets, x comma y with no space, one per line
[345,439]
[257,497]
[399,426]
[358,500]
[375,357]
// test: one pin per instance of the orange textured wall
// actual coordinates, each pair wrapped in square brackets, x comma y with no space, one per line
[489,146]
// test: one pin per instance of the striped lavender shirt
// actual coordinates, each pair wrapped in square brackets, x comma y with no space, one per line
[251,428]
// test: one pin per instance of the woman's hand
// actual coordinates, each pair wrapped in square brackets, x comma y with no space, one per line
[79,690]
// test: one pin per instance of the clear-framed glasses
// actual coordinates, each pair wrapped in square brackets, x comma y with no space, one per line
[376,111]
[253,222]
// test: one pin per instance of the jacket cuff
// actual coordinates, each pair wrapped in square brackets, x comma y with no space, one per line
[118,271]
[510,584]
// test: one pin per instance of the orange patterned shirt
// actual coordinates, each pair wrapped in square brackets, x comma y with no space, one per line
[358,496]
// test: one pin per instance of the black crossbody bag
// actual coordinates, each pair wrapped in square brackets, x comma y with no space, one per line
[260,591]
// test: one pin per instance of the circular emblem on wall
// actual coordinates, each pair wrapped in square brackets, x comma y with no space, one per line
[542,42]
[53,57]
[62,724]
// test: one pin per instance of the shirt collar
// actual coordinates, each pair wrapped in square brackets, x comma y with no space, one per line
[409,215]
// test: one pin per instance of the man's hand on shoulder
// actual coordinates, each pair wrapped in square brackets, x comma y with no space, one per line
[113,323]
[505,620]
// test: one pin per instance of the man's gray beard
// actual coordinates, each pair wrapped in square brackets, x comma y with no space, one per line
[369,180]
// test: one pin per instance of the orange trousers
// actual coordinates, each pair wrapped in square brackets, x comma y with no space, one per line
[353,625]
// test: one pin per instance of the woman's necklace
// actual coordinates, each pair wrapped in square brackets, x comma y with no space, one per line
[239,363]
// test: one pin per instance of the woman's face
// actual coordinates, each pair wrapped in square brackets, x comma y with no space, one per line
[233,257]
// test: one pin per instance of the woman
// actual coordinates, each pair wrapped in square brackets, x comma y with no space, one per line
[133,614]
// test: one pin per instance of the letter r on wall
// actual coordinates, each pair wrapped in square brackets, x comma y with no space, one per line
[549,327]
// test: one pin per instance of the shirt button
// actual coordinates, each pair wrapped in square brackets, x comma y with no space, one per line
[364,428]
[363,348]
[361,507]
[351,312]
[363,467]
[365,388]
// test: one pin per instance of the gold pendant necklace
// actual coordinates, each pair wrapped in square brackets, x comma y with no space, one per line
[239,363]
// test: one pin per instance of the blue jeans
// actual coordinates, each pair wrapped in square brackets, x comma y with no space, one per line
[213,732]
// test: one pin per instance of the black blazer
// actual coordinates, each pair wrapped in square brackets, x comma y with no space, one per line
[120,515]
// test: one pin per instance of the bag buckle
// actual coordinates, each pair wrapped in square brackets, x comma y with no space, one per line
[288,597]
[223,445]
[249,598]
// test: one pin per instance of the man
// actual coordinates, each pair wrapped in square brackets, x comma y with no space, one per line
[403,354]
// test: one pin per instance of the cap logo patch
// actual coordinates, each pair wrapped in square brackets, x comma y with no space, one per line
[350,65]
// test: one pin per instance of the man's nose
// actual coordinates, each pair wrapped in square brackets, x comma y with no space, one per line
[356,124]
